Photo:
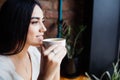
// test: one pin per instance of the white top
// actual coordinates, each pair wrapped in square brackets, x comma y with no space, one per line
[7,68]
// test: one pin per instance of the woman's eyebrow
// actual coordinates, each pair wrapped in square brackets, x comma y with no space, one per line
[35,17]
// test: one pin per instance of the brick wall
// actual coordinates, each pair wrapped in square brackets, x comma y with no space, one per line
[72,14]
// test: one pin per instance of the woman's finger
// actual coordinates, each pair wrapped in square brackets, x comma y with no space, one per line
[60,53]
[49,50]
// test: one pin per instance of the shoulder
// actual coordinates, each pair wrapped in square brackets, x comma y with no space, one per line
[5,63]
[6,68]
[5,75]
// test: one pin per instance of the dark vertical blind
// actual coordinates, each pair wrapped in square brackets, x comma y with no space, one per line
[104,40]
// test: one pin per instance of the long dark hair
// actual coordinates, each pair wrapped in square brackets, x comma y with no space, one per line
[15,17]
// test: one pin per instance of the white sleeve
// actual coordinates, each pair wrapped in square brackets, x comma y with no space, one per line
[5,69]
[4,75]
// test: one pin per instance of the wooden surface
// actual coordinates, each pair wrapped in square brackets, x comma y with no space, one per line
[78,78]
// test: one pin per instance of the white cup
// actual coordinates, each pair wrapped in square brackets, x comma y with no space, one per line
[52,41]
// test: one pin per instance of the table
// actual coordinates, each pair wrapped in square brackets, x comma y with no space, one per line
[81,77]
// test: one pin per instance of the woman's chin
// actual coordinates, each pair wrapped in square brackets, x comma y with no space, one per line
[37,44]
[40,43]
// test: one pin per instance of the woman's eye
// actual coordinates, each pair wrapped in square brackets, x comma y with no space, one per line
[34,22]
[43,21]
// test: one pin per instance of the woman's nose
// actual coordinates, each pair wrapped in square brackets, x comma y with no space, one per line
[43,28]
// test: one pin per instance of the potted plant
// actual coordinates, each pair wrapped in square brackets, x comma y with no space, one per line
[106,75]
[70,64]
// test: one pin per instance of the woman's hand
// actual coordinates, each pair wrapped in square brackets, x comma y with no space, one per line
[51,59]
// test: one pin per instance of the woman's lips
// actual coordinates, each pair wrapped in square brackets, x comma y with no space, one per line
[40,37]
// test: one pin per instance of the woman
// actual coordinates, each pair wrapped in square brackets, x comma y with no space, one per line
[21,31]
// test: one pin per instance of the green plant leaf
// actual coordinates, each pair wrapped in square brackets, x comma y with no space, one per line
[71,43]
[96,78]
[106,73]
[114,76]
